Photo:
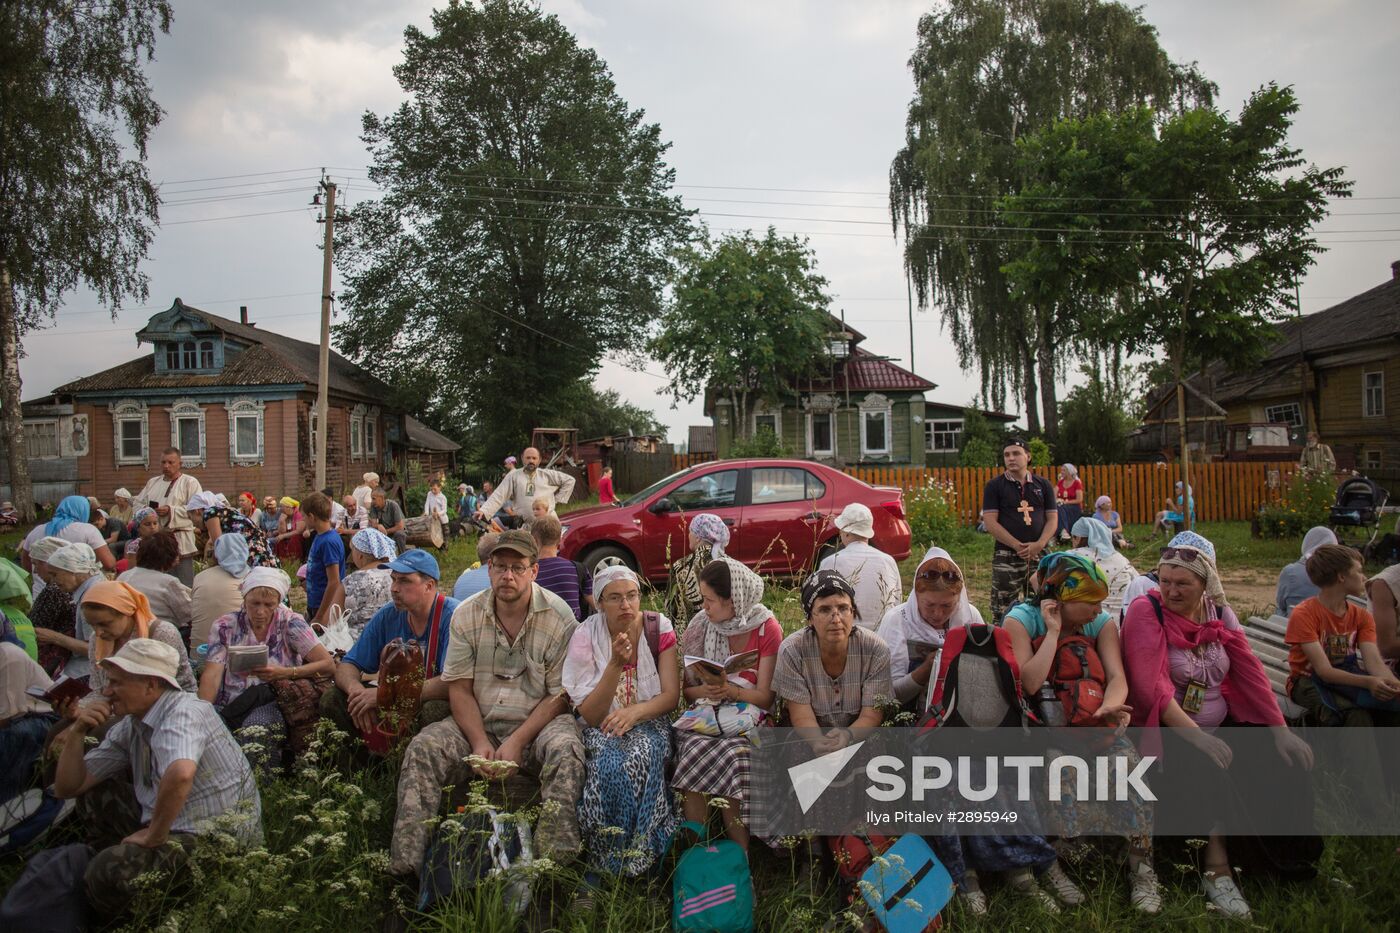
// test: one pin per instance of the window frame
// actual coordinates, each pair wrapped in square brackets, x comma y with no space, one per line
[31,436]
[240,409]
[187,409]
[370,434]
[932,430]
[311,426]
[1293,409]
[357,433]
[133,411]
[812,449]
[1378,411]
[775,414]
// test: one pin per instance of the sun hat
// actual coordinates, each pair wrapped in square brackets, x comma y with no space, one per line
[146,657]
[856,519]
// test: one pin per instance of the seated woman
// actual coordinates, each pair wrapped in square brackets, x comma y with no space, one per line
[52,612]
[215,592]
[289,540]
[24,721]
[1190,667]
[1093,540]
[74,569]
[1104,512]
[623,678]
[143,524]
[1069,498]
[212,512]
[709,536]
[1070,594]
[153,575]
[732,620]
[1293,583]
[1175,513]
[268,517]
[293,653]
[365,590]
[914,630]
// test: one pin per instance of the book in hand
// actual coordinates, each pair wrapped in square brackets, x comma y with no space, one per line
[714,673]
[919,651]
[64,689]
[245,658]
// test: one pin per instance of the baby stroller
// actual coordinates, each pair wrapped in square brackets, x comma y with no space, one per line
[1356,516]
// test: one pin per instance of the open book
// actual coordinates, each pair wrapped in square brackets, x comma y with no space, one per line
[715,672]
[919,651]
[65,688]
[244,658]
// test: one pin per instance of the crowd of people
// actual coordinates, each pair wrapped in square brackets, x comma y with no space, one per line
[529,665]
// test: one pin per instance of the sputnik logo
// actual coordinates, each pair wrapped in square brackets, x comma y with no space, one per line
[811,778]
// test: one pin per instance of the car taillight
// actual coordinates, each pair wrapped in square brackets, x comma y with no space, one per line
[895,507]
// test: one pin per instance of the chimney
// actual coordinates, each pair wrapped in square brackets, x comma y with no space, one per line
[243,314]
[1395,269]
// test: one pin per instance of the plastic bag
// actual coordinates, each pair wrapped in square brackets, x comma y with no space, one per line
[335,635]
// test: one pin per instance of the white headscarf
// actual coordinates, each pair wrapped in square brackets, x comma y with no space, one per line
[45,547]
[903,624]
[77,557]
[270,577]
[590,648]
[1314,539]
[204,499]
[1097,536]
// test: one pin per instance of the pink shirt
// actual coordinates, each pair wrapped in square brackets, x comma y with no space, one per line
[1210,668]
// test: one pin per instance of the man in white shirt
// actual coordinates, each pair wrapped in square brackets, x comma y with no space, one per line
[167,494]
[351,516]
[523,485]
[873,573]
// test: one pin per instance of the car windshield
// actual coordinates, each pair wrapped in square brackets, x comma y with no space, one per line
[638,497]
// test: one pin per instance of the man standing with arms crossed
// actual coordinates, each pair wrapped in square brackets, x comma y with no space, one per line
[167,494]
[522,485]
[1018,510]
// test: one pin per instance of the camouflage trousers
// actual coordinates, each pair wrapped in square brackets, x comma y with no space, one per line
[111,813]
[1011,581]
[436,758]
[334,707]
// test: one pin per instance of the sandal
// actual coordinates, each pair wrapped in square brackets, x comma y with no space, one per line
[1224,896]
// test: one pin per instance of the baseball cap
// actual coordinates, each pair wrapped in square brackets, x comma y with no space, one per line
[1015,442]
[416,560]
[518,541]
[146,657]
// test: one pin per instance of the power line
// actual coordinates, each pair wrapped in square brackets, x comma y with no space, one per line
[206,220]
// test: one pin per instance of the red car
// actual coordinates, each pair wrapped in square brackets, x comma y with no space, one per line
[781,515]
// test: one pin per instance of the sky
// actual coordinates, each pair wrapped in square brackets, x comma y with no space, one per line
[783,112]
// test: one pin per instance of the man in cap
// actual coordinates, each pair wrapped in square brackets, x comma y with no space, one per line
[417,612]
[523,485]
[167,494]
[872,572]
[188,774]
[1018,511]
[477,578]
[509,710]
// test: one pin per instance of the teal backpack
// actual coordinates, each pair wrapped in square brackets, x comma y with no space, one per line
[712,888]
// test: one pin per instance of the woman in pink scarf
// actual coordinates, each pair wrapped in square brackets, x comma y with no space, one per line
[1190,667]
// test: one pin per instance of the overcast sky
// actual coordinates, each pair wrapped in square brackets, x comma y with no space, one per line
[759,99]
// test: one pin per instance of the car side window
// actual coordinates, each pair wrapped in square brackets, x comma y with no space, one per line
[784,484]
[711,491]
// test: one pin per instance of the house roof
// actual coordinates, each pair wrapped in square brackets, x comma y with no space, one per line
[984,412]
[269,359]
[422,437]
[866,372]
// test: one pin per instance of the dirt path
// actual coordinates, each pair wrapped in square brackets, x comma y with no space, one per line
[1251,592]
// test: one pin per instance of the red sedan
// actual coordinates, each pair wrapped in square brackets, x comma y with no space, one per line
[781,516]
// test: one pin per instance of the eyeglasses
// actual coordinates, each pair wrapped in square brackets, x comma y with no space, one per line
[617,599]
[1188,554]
[831,612]
[932,576]
[515,570]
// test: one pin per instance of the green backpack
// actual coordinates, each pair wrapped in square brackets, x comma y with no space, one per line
[713,891]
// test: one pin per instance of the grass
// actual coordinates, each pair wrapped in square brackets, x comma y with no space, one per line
[327,835]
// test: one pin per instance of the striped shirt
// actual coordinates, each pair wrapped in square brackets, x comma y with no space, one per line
[510,678]
[836,701]
[561,576]
[182,727]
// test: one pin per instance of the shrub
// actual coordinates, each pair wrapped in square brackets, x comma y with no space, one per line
[1040,453]
[1307,502]
[978,452]
[933,515]
[413,498]
[764,443]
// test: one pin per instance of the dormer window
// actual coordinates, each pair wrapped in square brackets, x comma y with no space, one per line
[839,346]
[206,354]
[190,355]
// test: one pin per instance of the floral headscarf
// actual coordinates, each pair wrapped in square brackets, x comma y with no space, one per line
[375,543]
[821,584]
[1070,578]
[1203,567]
[77,557]
[711,529]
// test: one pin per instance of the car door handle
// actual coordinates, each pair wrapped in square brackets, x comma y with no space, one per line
[729,522]
[814,516]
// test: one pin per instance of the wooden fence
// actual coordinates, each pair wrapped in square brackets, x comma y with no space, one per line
[681,461]
[1223,491]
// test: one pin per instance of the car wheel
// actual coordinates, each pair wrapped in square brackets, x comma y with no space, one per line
[607,555]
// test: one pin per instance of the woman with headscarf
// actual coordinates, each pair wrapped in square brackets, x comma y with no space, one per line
[154,576]
[623,679]
[1293,583]
[1068,601]
[69,522]
[287,544]
[1069,498]
[708,536]
[268,517]
[145,523]
[1189,666]
[117,613]
[212,512]
[365,590]
[914,630]
[74,569]
[52,612]
[1106,513]
[1092,539]
[1175,512]
[293,653]
[216,590]
[713,734]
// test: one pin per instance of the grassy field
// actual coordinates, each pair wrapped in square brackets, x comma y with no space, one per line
[327,834]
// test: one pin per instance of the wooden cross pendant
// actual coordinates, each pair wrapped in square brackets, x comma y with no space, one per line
[1025,508]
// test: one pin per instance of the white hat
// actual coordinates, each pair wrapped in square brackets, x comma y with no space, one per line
[856,519]
[122,493]
[146,657]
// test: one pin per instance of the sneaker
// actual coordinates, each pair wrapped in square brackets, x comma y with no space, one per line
[1062,886]
[1146,893]
[1023,883]
[1224,896]
[974,901]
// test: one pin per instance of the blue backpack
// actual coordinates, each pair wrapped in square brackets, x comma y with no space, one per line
[906,886]
[713,890]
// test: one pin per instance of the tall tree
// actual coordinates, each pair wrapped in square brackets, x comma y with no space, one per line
[1200,227]
[76,204]
[987,72]
[525,228]
[748,320]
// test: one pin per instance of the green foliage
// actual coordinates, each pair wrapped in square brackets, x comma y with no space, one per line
[979,452]
[1306,503]
[525,230]
[933,515]
[748,320]
[1040,452]
[597,413]
[764,443]
[1094,428]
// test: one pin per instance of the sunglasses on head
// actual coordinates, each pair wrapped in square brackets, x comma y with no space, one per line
[933,576]
[1188,554]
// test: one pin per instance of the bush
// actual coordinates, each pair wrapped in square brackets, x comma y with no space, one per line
[978,452]
[1040,453]
[1094,428]
[933,515]
[764,443]
[1307,502]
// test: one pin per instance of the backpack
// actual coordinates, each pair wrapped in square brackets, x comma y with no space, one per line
[48,897]
[712,890]
[484,846]
[906,891]
[978,644]
[854,852]
[1077,677]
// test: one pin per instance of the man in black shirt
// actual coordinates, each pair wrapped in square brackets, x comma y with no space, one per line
[1018,510]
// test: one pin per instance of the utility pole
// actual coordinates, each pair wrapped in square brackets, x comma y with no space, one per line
[323,369]
[909,293]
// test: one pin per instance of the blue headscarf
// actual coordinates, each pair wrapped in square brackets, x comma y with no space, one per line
[231,553]
[1100,539]
[71,509]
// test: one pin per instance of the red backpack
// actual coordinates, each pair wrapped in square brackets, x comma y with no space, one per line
[854,853]
[981,641]
[1077,678]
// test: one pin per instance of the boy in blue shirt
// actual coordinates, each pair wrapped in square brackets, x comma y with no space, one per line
[325,563]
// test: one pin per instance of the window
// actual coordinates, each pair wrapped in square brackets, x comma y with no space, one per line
[187,429]
[245,431]
[187,358]
[711,491]
[129,431]
[1289,413]
[875,432]
[1373,394]
[172,356]
[371,433]
[940,436]
[41,439]
[768,420]
[357,423]
[823,438]
[1372,460]
[785,484]
[206,354]
[311,424]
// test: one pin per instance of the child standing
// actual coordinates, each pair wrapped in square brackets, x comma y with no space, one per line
[325,563]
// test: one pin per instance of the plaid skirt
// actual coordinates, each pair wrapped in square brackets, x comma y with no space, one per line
[718,767]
